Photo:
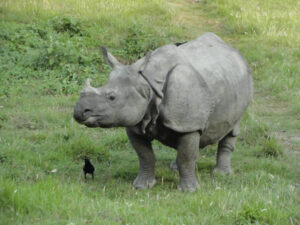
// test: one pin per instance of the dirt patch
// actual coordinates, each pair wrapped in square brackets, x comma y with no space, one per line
[188,14]
[27,124]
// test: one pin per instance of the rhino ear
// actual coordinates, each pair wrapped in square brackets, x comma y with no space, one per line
[145,62]
[109,58]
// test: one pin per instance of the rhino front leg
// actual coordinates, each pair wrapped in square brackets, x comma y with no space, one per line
[225,148]
[188,147]
[143,147]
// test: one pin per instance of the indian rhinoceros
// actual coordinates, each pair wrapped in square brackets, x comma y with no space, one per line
[186,96]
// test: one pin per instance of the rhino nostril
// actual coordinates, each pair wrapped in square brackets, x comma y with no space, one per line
[87,113]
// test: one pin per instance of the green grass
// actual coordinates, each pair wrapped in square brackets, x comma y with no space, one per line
[272,21]
[48,48]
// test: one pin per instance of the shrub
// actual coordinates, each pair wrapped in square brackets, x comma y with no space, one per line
[271,148]
[139,41]
[253,130]
[66,24]
[250,215]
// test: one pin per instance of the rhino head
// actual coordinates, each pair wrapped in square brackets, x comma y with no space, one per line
[122,101]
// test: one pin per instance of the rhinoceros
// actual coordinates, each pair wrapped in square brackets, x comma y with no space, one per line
[186,96]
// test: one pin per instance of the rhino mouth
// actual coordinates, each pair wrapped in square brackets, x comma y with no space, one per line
[92,121]
[95,121]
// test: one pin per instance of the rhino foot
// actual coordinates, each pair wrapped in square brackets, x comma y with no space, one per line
[190,185]
[222,171]
[144,182]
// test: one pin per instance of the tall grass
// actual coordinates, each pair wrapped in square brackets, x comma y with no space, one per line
[271,20]
[106,10]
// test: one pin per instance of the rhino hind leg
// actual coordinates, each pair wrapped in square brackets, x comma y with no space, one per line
[225,149]
[187,152]
[146,177]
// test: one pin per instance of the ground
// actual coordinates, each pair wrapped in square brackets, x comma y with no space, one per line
[48,49]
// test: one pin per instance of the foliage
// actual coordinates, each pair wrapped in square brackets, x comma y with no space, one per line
[66,24]
[251,215]
[139,41]
[271,148]
[62,51]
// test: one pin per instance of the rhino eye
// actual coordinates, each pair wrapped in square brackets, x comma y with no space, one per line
[111,96]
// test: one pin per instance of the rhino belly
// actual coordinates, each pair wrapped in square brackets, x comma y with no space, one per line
[215,133]
[229,80]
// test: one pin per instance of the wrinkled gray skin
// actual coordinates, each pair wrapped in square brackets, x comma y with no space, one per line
[185,96]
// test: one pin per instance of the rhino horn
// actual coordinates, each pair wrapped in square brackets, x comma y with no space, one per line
[87,83]
[88,88]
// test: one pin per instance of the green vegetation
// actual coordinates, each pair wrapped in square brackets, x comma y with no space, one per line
[48,48]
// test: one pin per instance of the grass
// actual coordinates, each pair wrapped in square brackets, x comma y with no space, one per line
[271,21]
[48,48]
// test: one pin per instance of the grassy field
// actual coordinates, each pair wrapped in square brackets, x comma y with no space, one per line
[49,47]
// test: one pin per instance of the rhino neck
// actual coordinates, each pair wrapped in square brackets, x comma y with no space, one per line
[150,117]
[161,62]
[156,74]
[152,86]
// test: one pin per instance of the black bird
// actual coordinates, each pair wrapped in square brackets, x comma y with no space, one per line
[180,43]
[88,167]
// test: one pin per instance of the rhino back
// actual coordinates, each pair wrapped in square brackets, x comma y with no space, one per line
[228,78]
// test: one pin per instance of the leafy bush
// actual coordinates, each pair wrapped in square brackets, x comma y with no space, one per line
[66,24]
[139,41]
[250,215]
[38,52]
[3,158]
